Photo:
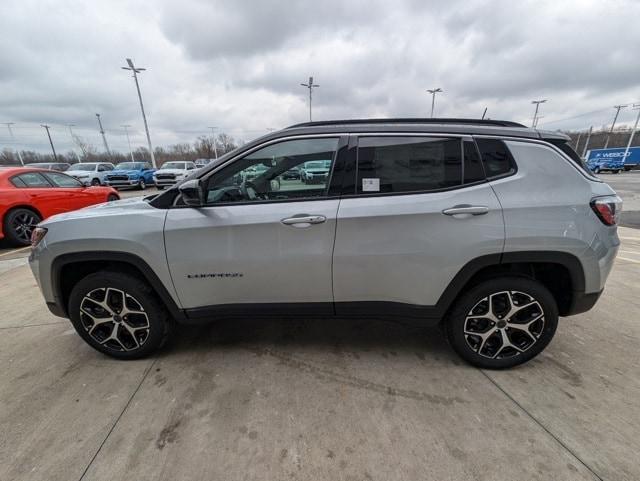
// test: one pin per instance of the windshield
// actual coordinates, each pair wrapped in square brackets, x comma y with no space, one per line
[173,165]
[129,166]
[89,167]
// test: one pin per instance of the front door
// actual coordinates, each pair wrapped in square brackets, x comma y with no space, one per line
[261,244]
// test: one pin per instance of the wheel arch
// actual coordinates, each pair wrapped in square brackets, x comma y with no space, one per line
[560,272]
[68,269]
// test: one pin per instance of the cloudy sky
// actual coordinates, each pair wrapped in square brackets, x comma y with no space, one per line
[238,64]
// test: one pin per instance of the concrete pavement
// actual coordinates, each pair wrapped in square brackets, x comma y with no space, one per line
[310,400]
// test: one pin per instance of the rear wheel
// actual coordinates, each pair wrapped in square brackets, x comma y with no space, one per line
[118,315]
[18,225]
[503,322]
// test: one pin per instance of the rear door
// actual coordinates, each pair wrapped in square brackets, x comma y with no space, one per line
[261,244]
[421,210]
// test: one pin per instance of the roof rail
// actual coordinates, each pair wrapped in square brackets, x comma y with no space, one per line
[498,123]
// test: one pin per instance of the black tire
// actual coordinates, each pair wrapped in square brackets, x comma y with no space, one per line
[617,171]
[151,332]
[112,197]
[95,182]
[597,170]
[18,225]
[142,184]
[518,291]
[160,187]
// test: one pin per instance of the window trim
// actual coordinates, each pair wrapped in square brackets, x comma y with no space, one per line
[439,135]
[342,142]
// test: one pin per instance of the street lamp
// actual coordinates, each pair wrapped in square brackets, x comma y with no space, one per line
[433,93]
[310,86]
[46,127]
[534,123]
[126,131]
[13,140]
[213,134]
[136,71]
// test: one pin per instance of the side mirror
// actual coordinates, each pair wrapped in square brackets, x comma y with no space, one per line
[192,193]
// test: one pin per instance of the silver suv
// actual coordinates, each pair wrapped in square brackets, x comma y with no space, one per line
[487,227]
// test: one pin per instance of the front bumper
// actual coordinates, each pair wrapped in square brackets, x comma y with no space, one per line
[122,183]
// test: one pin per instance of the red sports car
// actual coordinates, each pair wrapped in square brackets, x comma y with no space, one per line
[29,195]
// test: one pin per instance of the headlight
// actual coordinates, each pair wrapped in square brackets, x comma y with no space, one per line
[37,235]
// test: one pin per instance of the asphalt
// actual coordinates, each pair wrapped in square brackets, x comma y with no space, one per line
[311,400]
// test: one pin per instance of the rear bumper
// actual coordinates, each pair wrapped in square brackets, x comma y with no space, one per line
[582,302]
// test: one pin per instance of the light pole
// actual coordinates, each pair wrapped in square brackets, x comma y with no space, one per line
[633,132]
[72,140]
[433,93]
[126,131]
[46,127]
[135,71]
[310,86]
[13,139]
[534,123]
[104,139]
[213,134]
[586,144]
[618,108]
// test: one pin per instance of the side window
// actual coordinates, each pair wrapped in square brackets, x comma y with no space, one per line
[473,171]
[102,168]
[146,166]
[30,179]
[62,180]
[496,158]
[260,175]
[408,164]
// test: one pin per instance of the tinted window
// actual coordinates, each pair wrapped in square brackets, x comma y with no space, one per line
[406,164]
[32,179]
[62,180]
[496,158]
[473,171]
[259,175]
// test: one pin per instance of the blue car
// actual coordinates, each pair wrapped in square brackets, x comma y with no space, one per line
[131,175]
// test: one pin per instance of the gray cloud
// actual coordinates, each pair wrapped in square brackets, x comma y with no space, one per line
[238,65]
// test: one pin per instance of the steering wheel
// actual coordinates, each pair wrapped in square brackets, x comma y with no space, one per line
[248,190]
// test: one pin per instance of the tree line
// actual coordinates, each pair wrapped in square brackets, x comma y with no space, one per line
[205,147]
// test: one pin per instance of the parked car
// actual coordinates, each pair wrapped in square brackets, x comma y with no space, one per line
[131,174]
[30,195]
[172,172]
[487,227]
[59,166]
[315,171]
[91,173]
[203,162]
[291,174]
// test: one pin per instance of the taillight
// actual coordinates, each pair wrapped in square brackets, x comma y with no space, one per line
[607,208]
[37,235]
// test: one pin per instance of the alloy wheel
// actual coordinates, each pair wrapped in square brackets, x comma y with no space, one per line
[23,225]
[114,319]
[504,324]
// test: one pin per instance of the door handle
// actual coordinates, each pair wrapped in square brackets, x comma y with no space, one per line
[304,220]
[466,209]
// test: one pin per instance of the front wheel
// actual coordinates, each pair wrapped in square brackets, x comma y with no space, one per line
[142,184]
[118,315]
[18,226]
[95,182]
[160,187]
[503,322]
[112,198]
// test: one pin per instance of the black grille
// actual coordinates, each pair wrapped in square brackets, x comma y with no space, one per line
[165,176]
[118,177]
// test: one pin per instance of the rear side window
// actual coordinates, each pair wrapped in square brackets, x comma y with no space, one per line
[62,180]
[496,158]
[408,164]
[30,179]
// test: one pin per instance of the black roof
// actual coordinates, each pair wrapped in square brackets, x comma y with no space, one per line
[487,122]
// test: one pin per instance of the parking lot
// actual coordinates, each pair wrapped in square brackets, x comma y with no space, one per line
[334,399]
